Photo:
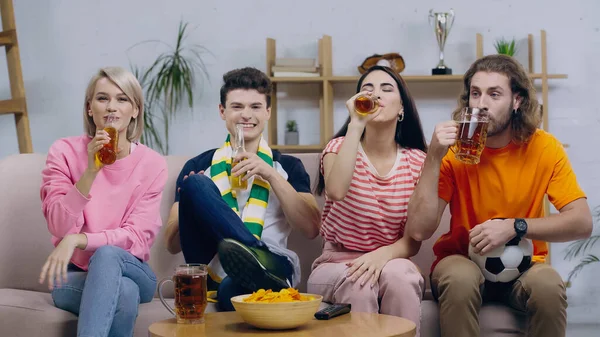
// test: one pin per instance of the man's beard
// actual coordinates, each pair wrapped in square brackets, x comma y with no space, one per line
[497,127]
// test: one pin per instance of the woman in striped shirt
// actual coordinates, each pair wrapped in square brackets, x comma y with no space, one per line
[368,172]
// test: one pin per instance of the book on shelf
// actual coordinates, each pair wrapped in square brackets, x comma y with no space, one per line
[295,67]
[294,74]
[277,68]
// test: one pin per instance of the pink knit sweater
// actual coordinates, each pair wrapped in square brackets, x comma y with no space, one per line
[122,208]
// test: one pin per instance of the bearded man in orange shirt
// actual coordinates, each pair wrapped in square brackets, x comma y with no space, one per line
[519,165]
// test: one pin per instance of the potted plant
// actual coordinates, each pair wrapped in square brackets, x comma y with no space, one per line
[506,47]
[168,84]
[291,133]
[579,248]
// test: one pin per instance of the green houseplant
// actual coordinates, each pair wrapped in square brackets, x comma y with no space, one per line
[579,248]
[506,47]
[291,133]
[169,84]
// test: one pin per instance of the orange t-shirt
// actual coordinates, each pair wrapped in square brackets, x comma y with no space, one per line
[509,182]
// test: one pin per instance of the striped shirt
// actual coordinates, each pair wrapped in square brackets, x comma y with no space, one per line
[373,212]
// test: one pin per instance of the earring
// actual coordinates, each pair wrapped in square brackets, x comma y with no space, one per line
[400,117]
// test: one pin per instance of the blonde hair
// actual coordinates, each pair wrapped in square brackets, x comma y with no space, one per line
[130,86]
[527,118]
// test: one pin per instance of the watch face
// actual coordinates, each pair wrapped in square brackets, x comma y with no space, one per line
[521,225]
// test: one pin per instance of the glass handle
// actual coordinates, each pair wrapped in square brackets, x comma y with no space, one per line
[162,299]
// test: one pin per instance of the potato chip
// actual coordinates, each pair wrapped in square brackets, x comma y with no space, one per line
[284,295]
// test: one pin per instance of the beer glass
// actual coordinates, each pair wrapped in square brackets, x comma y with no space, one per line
[107,154]
[366,105]
[472,134]
[238,146]
[189,282]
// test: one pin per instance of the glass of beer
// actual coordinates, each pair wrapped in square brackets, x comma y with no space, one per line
[472,134]
[107,155]
[238,146]
[366,105]
[189,284]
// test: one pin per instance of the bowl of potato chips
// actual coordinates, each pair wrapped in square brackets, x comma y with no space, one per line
[277,310]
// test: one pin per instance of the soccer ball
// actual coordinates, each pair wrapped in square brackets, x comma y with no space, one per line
[505,263]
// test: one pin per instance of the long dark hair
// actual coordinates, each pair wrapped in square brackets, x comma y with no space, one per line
[409,132]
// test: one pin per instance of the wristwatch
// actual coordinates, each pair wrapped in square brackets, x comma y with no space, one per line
[520,227]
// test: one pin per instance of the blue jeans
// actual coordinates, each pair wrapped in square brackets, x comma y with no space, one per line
[106,297]
[204,220]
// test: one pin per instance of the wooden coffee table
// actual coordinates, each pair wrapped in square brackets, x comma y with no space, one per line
[226,324]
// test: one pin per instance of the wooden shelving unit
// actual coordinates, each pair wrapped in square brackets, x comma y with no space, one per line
[326,80]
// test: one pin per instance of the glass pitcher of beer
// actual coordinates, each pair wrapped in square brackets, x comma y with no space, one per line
[238,147]
[472,134]
[190,295]
[366,105]
[107,155]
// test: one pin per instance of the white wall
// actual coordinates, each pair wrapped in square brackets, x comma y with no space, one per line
[62,46]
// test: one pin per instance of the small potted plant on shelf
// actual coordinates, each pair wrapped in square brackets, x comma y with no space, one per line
[291,133]
[506,47]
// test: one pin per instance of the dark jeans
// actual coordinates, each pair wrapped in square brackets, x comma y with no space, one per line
[204,220]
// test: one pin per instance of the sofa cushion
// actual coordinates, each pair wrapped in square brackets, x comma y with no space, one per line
[25,241]
[32,313]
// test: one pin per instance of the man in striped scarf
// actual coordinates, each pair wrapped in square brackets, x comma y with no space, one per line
[242,233]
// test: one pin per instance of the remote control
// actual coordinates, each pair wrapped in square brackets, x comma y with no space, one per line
[332,311]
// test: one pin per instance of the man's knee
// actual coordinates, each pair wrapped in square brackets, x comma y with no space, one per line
[456,277]
[545,287]
[194,183]
[197,193]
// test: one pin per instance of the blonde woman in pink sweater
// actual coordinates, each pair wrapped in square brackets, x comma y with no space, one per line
[103,218]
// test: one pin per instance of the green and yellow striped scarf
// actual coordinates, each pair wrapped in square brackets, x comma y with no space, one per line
[254,212]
